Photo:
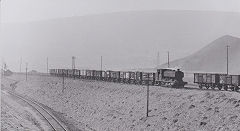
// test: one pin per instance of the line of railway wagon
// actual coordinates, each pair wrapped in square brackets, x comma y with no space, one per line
[163,77]
[215,80]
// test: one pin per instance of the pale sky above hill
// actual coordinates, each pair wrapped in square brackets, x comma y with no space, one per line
[35,10]
[21,11]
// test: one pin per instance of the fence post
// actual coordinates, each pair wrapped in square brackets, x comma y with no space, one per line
[147,93]
[63,83]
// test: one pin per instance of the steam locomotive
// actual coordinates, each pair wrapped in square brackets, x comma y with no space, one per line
[169,77]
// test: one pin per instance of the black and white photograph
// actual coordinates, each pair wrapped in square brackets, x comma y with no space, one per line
[120,65]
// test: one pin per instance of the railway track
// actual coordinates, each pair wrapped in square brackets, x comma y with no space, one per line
[54,123]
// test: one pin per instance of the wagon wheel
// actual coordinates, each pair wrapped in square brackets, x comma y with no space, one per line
[213,87]
[219,87]
[225,87]
[160,83]
[207,86]
[232,88]
[236,88]
[200,86]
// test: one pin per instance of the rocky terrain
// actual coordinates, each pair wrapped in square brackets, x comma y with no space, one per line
[93,105]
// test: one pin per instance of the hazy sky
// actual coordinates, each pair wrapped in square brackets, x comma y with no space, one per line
[34,10]
[15,11]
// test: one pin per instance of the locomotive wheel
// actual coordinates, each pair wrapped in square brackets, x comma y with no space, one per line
[181,86]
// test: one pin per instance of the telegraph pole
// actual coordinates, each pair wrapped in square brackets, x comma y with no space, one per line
[26,70]
[158,57]
[101,69]
[63,83]
[20,64]
[227,58]
[2,69]
[2,72]
[47,65]
[101,63]
[73,62]
[147,93]
[168,59]
[73,66]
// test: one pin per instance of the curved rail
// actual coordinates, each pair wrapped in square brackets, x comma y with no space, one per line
[55,124]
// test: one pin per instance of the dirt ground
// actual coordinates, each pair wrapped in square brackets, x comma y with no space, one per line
[105,106]
[17,115]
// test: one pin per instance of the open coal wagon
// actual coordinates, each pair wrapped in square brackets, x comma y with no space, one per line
[148,78]
[115,76]
[220,81]
[207,80]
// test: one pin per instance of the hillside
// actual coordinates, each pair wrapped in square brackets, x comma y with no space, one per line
[213,57]
[125,40]
[101,106]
